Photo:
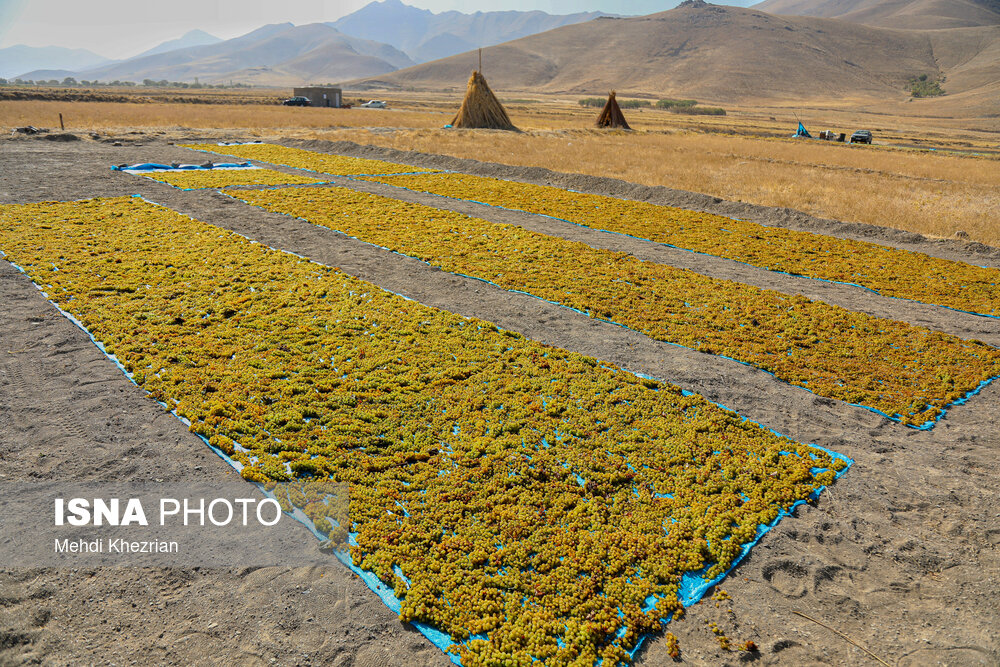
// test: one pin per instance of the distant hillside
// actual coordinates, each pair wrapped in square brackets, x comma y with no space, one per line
[279,54]
[192,38]
[900,14]
[45,75]
[721,53]
[427,36]
[16,60]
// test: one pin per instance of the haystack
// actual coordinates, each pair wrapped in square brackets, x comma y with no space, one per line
[612,116]
[481,108]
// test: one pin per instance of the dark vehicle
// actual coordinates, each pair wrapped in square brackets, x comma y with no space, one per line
[861,137]
[297,102]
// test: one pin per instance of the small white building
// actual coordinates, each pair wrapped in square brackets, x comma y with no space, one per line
[321,96]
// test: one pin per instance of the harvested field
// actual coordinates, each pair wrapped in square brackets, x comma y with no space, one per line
[899,554]
[128,116]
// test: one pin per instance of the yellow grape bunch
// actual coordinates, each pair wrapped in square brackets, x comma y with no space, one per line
[906,372]
[532,503]
[197,179]
[883,269]
[324,163]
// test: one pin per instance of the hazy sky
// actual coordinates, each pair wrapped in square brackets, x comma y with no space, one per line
[122,28]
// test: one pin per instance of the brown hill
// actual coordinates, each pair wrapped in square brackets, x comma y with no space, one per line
[900,14]
[721,54]
[969,58]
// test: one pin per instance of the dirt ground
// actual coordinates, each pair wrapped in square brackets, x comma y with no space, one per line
[902,554]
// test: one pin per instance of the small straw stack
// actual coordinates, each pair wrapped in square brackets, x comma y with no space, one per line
[481,108]
[612,116]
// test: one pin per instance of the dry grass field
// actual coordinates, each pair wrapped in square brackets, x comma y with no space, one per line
[745,155]
[936,195]
[97,116]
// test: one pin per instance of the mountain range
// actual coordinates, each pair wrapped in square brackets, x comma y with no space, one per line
[425,36]
[724,53]
[378,38]
[20,58]
[277,54]
[191,38]
[55,62]
[798,49]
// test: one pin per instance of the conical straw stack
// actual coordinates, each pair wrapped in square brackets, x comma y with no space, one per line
[481,108]
[612,116]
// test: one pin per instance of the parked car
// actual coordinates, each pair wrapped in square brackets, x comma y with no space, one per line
[861,137]
[374,104]
[297,101]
